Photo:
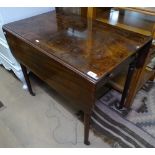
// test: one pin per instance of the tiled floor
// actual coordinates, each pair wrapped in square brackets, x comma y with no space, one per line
[46,120]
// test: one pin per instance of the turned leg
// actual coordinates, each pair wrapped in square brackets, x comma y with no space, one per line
[86,128]
[24,70]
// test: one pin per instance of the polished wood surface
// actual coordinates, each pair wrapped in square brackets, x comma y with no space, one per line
[147,12]
[108,48]
[75,56]
[133,21]
[140,20]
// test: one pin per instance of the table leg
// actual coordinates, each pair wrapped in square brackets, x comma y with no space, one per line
[86,128]
[127,84]
[139,71]
[24,70]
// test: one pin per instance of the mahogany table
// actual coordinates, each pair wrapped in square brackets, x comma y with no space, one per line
[75,56]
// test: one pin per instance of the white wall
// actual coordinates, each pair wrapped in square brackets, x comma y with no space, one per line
[10,14]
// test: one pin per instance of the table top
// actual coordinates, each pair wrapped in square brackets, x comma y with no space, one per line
[90,47]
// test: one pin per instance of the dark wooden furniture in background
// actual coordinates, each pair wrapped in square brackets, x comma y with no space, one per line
[76,56]
[139,20]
